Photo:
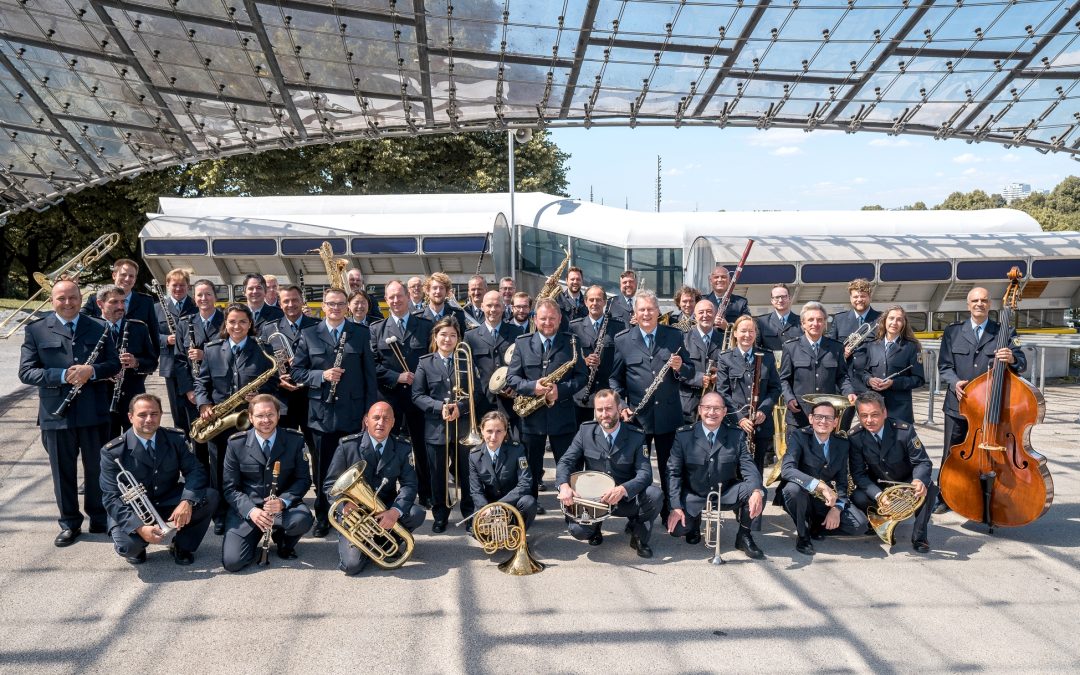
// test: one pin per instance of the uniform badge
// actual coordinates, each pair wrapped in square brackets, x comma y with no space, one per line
[917,443]
[645,451]
[918,358]
[1016,342]
[523,463]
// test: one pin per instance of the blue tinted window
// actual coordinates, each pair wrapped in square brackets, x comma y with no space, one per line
[402,245]
[988,269]
[245,247]
[304,246]
[1067,267]
[174,247]
[454,244]
[836,273]
[767,274]
[932,270]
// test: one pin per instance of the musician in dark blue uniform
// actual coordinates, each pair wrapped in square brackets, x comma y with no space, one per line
[499,469]
[489,342]
[136,305]
[176,305]
[737,305]
[812,364]
[572,300]
[891,364]
[54,359]
[474,308]
[587,331]
[255,294]
[138,356]
[289,328]
[194,331]
[779,325]
[735,382]
[437,291]
[621,307]
[704,344]
[845,323]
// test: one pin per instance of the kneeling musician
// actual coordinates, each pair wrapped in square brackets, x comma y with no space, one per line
[390,473]
[886,451]
[707,456]
[815,481]
[499,469]
[616,449]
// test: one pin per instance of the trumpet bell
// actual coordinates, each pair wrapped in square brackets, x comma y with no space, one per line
[471,439]
[389,549]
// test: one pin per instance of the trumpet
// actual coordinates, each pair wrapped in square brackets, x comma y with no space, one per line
[501,526]
[710,516]
[133,493]
[283,353]
[858,337]
[71,270]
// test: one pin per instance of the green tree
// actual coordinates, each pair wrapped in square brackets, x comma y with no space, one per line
[976,199]
[1065,197]
[873,207]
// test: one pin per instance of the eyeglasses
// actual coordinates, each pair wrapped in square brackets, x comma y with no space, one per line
[779,297]
[822,418]
[711,408]
[334,305]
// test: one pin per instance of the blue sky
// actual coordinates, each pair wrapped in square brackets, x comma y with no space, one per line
[788,169]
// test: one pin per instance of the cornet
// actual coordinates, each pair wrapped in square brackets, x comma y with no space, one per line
[858,337]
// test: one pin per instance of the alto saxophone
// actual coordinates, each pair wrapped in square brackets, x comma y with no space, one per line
[551,286]
[527,405]
[226,415]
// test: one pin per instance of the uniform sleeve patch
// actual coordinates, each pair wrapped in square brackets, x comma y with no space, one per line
[917,443]
[523,463]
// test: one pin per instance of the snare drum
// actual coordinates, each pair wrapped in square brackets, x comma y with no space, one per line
[587,508]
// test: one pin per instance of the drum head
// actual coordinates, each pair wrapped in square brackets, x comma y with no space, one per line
[591,484]
[509,354]
[497,381]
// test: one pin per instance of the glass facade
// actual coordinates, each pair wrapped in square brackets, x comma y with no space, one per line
[541,251]
[659,269]
[600,264]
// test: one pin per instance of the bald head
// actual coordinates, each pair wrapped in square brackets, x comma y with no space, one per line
[493,307]
[66,299]
[379,421]
[978,302]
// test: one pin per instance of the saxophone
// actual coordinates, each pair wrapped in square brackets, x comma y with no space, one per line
[551,287]
[527,405]
[226,415]
[335,267]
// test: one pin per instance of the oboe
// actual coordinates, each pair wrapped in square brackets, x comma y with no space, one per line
[61,410]
[264,558]
[118,383]
[339,356]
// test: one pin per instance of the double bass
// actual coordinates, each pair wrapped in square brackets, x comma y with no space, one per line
[993,476]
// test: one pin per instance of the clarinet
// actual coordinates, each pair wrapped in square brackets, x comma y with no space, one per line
[264,557]
[191,345]
[339,356]
[598,350]
[119,382]
[75,389]
[755,399]
[156,289]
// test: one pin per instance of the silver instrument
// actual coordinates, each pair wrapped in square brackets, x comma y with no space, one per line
[133,493]
[598,351]
[858,337]
[588,487]
[283,350]
[710,517]
[118,382]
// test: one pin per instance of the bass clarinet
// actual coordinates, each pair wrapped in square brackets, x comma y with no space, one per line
[339,357]
[118,382]
[61,410]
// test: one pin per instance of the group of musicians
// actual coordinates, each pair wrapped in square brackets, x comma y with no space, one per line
[606,384]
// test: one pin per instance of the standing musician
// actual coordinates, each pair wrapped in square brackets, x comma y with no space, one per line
[389,472]
[138,355]
[847,322]
[433,392]
[359,303]
[177,305]
[355,278]
[136,305]
[967,350]
[707,456]
[437,290]
[521,313]
[499,469]
[334,360]
[415,287]
[615,448]
[255,293]
[815,481]
[735,379]
[781,324]
[535,357]
[884,451]
[474,308]
[704,345]
[291,327]
[642,353]
[507,290]
[489,342]
[271,290]
[157,457]
[686,299]
[193,332]
[737,305]
[622,306]
[891,365]
[812,364]
[229,363]
[572,300]
[587,330]
[54,359]
[249,467]
[411,335]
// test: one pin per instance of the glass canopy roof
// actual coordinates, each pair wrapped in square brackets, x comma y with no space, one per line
[93,90]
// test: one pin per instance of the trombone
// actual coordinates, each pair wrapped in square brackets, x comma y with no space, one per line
[463,389]
[71,270]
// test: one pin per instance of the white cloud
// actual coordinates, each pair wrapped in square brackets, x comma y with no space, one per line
[890,142]
[786,151]
[1067,59]
[967,158]
[674,171]
[970,172]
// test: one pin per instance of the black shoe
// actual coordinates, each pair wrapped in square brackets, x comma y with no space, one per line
[941,508]
[321,529]
[541,487]
[67,537]
[644,551]
[540,510]
[745,543]
[287,553]
[219,528]
[438,527]
[817,533]
[693,538]
[137,559]
[804,546]
[180,556]
[98,529]
[596,539]
[629,529]
[921,546]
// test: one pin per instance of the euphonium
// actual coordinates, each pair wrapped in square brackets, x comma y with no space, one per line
[501,526]
[527,405]
[389,549]
[222,415]
[551,287]
[895,504]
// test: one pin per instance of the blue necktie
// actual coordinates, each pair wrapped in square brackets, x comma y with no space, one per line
[266,447]
[70,326]
[648,341]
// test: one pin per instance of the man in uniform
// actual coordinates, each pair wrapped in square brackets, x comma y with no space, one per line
[706,455]
[157,457]
[249,471]
[290,327]
[474,308]
[54,359]
[572,300]
[704,345]
[781,324]
[587,331]
[489,342]
[136,305]
[815,481]
[967,350]
[499,470]
[812,364]
[886,451]
[507,290]
[437,290]
[271,290]
[388,470]
[415,286]
[255,293]
[622,306]
[138,358]
[847,322]
[521,313]
[331,416]
[642,352]
[737,305]
[177,305]
[615,448]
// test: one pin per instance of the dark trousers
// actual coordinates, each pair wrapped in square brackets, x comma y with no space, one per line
[641,511]
[118,423]
[242,538]
[353,560]
[735,499]
[534,448]
[436,461]
[188,538]
[955,431]
[526,504]
[180,408]
[64,447]
[662,444]
[216,447]
[324,445]
[809,514]
[922,517]
[412,421]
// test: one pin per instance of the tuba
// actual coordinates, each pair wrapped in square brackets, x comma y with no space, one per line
[501,526]
[895,504]
[551,287]
[133,493]
[710,516]
[389,549]
[527,405]
[335,267]
[227,414]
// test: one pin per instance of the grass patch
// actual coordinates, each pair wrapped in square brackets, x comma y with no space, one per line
[9,303]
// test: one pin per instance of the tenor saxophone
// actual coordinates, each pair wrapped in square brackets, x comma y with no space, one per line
[527,405]
[227,414]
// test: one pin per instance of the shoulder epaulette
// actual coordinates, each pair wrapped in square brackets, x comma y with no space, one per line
[141,323]
[631,427]
[794,339]
[213,343]
[685,427]
[172,430]
[624,331]
[238,434]
[119,440]
[900,424]
[351,437]
[588,423]
[294,432]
